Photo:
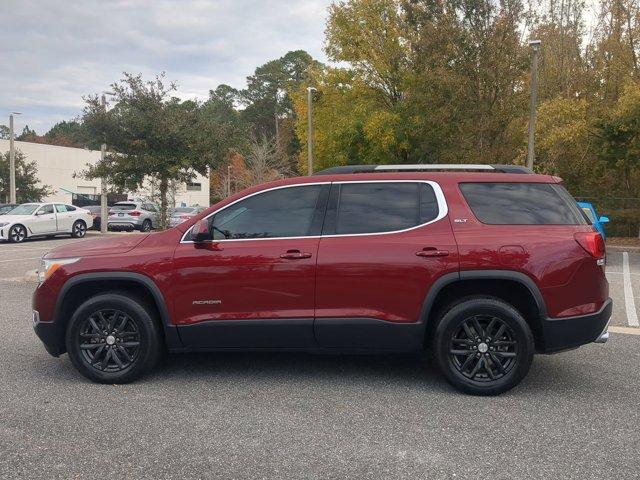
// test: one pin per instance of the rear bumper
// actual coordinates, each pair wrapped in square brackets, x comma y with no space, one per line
[124,224]
[571,332]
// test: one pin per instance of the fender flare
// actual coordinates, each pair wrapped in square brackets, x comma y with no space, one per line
[463,275]
[170,331]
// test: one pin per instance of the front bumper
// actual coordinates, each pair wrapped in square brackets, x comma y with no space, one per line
[51,335]
[571,332]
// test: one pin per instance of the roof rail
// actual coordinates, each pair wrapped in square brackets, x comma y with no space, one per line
[423,167]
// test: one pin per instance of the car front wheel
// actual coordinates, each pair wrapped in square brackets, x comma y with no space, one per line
[79,229]
[17,233]
[483,346]
[113,338]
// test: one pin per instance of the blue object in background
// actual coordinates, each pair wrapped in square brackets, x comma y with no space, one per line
[597,221]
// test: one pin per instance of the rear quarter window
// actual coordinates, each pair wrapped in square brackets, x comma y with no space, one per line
[522,204]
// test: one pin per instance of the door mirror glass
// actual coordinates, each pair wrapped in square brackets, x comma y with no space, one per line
[604,219]
[201,232]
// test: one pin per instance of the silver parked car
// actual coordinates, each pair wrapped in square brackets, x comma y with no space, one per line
[133,215]
[182,214]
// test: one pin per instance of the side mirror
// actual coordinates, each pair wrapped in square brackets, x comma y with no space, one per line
[201,231]
[40,212]
[604,219]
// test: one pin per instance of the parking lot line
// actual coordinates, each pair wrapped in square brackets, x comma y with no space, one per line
[18,259]
[627,330]
[629,303]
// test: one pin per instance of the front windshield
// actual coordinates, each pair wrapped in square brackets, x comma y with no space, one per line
[24,209]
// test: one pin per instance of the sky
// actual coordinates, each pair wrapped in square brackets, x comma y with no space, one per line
[54,52]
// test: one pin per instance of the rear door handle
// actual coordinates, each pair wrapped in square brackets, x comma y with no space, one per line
[295,255]
[432,252]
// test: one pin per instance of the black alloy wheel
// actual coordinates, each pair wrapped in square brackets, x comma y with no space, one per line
[114,337]
[483,348]
[17,234]
[146,226]
[483,345]
[109,340]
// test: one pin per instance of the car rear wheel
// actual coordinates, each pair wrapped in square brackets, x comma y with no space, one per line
[17,233]
[146,226]
[79,229]
[113,338]
[483,346]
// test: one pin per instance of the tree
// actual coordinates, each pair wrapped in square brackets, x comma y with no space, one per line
[28,188]
[70,133]
[151,135]
[262,162]
[619,139]
[5,133]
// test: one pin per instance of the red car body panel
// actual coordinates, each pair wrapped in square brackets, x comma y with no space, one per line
[372,276]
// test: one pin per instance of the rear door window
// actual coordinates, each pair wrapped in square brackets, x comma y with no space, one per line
[522,204]
[379,207]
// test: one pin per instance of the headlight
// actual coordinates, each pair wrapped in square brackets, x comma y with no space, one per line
[50,265]
[4,224]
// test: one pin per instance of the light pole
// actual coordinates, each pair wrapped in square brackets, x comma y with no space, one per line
[104,210]
[310,130]
[535,45]
[12,161]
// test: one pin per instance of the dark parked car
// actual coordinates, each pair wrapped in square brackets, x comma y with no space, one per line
[7,207]
[95,213]
[483,269]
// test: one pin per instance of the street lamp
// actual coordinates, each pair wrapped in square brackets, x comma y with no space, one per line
[535,46]
[310,130]
[12,161]
[104,213]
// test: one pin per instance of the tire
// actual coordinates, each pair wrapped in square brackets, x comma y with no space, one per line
[146,226]
[119,356]
[79,229]
[17,234]
[496,363]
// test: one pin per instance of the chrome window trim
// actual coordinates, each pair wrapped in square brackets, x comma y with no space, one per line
[443,210]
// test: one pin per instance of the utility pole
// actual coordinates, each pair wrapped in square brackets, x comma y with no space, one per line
[535,45]
[104,209]
[12,161]
[310,130]
[104,213]
[277,134]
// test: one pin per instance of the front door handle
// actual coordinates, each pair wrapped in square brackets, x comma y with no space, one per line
[295,255]
[432,252]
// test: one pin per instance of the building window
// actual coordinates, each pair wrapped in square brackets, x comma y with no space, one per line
[194,187]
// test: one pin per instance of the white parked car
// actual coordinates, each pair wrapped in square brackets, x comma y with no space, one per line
[44,219]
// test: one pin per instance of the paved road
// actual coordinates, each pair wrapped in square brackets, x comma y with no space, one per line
[302,416]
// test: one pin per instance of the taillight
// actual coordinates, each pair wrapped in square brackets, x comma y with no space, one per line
[592,242]
[185,217]
[135,213]
[111,212]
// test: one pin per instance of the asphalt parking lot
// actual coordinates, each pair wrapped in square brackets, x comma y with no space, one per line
[303,416]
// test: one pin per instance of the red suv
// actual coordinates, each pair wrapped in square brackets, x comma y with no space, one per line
[481,267]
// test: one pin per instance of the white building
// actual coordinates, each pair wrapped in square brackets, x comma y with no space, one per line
[60,168]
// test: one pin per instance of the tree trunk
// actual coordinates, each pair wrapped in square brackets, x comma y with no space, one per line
[164,187]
